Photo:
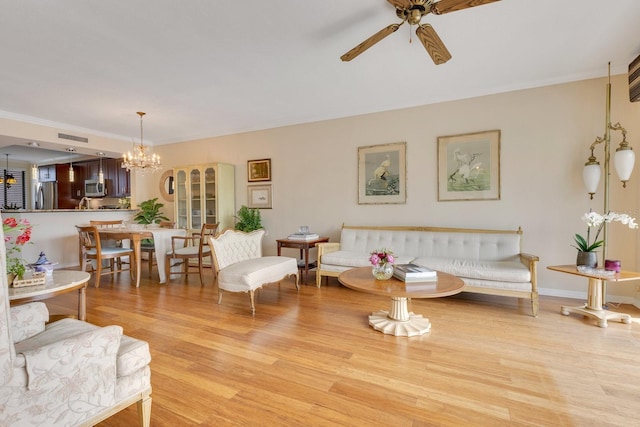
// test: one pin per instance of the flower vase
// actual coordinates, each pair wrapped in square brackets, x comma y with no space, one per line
[10,277]
[589,259]
[382,271]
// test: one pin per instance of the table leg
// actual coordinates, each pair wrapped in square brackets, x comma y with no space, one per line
[593,306]
[136,243]
[306,264]
[82,303]
[399,321]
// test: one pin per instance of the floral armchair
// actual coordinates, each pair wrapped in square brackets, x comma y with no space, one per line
[67,373]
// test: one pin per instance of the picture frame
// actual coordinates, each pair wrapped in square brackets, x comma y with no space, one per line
[259,196]
[469,166]
[382,174]
[259,170]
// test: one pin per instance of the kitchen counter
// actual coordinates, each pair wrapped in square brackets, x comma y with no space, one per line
[55,234]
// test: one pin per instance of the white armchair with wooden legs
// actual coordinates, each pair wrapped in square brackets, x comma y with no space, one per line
[240,266]
[69,372]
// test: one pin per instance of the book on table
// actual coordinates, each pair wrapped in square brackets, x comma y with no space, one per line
[303,236]
[414,273]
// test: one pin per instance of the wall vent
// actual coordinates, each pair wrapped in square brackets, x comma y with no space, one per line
[634,80]
[73,137]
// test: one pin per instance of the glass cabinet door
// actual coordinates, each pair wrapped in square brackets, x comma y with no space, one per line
[210,195]
[181,199]
[196,198]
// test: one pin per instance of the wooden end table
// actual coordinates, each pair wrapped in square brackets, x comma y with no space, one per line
[60,282]
[398,320]
[304,246]
[595,294]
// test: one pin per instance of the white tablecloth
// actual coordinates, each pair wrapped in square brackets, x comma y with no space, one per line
[162,243]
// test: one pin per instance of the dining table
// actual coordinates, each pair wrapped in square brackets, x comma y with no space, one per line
[135,234]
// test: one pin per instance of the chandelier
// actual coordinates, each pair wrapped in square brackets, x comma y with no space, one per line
[8,179]
[140,159]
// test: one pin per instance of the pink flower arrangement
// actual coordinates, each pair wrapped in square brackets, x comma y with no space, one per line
[381,257]
[17,233]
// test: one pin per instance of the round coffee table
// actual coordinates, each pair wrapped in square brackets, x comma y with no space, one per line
[398,320]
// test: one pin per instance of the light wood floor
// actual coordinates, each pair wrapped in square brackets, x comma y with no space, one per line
[309,358]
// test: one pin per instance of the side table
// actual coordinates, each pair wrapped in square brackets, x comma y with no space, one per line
[595,294]
[304,246]
[60,282]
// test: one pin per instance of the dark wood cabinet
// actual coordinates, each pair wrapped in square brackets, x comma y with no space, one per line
[91,169]
[65,186]
[123,179]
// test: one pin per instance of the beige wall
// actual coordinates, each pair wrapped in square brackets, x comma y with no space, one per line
[546,133]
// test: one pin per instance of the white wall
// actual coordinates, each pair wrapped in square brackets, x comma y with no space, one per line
[546,133]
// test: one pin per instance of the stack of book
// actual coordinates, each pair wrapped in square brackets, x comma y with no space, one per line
[414,273]
[303,236]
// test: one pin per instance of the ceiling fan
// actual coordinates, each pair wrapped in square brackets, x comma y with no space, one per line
[412,11]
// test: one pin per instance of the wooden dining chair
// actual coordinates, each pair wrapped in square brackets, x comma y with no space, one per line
[90,248]
[186,248]
[112,223]
[148,246]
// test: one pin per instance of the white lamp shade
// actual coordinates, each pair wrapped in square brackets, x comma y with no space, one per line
[591,177]
[623,161]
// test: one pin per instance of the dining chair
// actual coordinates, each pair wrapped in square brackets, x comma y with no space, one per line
[148,245]
[91,249]
[112,223]
[186,248]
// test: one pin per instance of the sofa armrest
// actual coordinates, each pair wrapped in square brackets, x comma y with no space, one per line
[28,320]
[531,262]
[325,248]
[88,359]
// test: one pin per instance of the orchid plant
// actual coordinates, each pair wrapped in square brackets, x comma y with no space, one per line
[595,220]
[17,232]
[381,257]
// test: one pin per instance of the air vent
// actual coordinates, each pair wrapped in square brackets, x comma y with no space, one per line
[73,137]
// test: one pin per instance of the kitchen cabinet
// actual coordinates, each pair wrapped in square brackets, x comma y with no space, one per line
[47,173]
[204,194]
[123,178]
[65,186]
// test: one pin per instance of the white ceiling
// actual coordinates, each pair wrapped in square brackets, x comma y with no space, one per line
[204,68]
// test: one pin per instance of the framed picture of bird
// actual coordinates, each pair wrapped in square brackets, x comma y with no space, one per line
[469,166]
[382,173]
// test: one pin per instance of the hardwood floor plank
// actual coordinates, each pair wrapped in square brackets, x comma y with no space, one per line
[310,358]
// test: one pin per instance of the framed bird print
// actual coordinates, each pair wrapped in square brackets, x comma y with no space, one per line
[469,166]
[382,174]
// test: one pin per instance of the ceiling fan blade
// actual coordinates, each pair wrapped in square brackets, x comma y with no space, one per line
[400,4]
[370,42]
[446,6]
[431,41]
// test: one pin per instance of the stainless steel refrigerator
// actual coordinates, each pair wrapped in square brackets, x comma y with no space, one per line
[46,195]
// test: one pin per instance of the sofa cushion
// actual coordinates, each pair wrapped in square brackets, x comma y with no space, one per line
[250,274]
[353,259]
[501,271]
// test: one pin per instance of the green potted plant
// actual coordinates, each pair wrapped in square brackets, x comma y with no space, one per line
[248,219]
[150,212]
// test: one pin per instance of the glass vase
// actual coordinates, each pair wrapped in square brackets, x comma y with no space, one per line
[382,271]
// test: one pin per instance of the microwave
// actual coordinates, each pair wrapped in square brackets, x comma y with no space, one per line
[93,188]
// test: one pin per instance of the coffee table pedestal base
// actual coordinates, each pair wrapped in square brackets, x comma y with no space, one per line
[399,321]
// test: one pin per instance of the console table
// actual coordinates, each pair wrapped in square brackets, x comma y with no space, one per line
[595,294]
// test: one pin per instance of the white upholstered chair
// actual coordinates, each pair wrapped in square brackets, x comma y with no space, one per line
[69,372]
[240,266]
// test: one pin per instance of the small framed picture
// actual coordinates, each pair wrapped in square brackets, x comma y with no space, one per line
[469,166]
[259,170]
[259,196]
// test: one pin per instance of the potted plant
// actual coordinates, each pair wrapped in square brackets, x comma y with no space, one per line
[248,219]
[586,247]
[17,232]
[150,212]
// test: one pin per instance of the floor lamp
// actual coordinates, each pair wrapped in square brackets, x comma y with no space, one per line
[623,160]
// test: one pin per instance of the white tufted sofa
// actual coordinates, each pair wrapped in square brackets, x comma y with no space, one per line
[488,261]
[240,266]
